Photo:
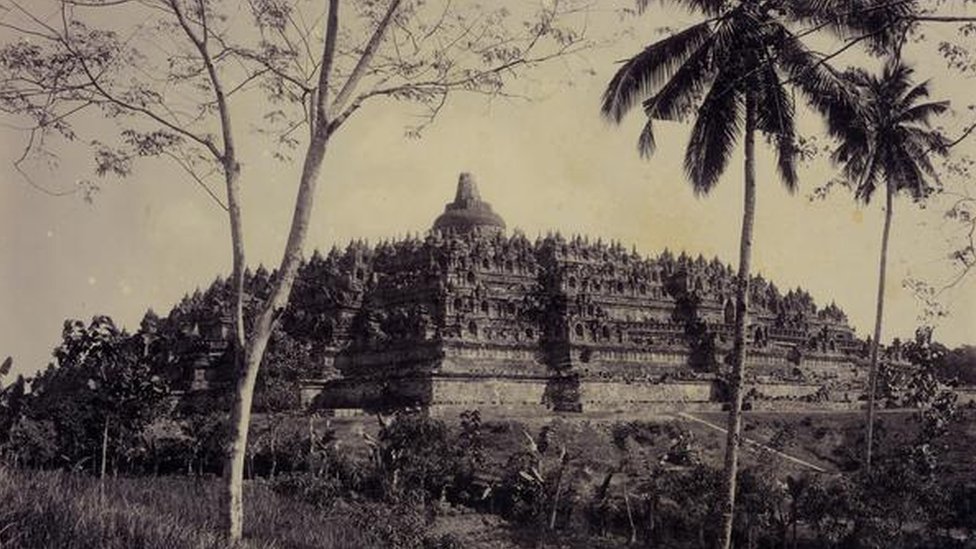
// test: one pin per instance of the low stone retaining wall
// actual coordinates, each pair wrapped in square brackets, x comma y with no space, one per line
[543,394]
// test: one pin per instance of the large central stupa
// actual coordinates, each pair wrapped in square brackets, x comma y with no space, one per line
[468,213]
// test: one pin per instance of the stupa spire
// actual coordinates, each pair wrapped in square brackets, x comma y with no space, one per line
[467,189]
[468,213]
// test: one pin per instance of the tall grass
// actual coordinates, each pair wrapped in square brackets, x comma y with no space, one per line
[40,509]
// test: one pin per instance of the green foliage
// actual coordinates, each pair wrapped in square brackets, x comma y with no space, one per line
[888,138]
[31,443]
[417,456]
[399,526]
[708,70]
[322,492]
[206,439]
[285,364]
[12,400]
[101,390]
[44,510]
[319,292]
[960,365]
[919,386]
[278,443]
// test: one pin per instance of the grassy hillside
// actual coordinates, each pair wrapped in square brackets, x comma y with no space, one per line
[48,510]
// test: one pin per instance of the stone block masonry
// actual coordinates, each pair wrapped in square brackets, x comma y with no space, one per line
[469,317]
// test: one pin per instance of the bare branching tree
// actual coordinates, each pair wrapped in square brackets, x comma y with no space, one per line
[133,79]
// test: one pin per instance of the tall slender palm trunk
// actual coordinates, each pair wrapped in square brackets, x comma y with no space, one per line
[741,318]
[879,316]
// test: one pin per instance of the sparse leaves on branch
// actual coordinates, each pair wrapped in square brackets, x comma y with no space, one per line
[154,79]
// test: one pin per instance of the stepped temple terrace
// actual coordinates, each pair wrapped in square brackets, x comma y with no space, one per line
[473,317]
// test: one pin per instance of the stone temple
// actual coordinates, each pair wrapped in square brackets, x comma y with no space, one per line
[473,317]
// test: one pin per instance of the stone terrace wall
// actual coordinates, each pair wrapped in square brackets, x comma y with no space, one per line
[616,395]
[490,392]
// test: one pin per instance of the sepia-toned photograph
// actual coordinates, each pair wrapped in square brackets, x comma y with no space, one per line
[487,274]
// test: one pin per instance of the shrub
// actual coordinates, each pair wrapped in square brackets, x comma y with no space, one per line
[419,457]
[322,492]
[395,526]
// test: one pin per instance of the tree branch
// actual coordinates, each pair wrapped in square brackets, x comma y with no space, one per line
[943,18]
[179,161]
[30,181]
[365,59]
[227,154]
[319,111]
[969,130]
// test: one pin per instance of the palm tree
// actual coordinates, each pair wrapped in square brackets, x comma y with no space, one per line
[733,73]
[889,140]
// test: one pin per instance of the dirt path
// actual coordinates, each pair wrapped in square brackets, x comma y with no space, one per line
[754,443]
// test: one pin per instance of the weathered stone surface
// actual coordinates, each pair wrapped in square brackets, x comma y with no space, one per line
[471,317]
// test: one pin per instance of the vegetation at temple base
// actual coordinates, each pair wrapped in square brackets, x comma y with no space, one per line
[622,482]
[413,481]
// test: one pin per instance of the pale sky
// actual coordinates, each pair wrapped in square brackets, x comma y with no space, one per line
[547,164]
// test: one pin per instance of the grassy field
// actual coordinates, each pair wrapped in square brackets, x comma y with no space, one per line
[64,511]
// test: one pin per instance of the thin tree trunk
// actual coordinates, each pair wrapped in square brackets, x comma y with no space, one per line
[795,520]
[261,332]
[235,507]
[741,314]
[630,519]
[257,342]
[232,169]
[555,497]
[104,461]
[101,472]
[274,457]
[879,315]
[311,440]
[651,517]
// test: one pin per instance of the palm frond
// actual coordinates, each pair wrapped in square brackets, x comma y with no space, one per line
[919,154]
[714,134]
[929,141]
[708,7]
[775,118]
[646,145]
[890,134]
[910,177]
[895,79]
[866,181]
[922,114]
[855,145]
[686,86]
[676,98]
[920,91]
[642,74]
[879,21]
[825,90]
